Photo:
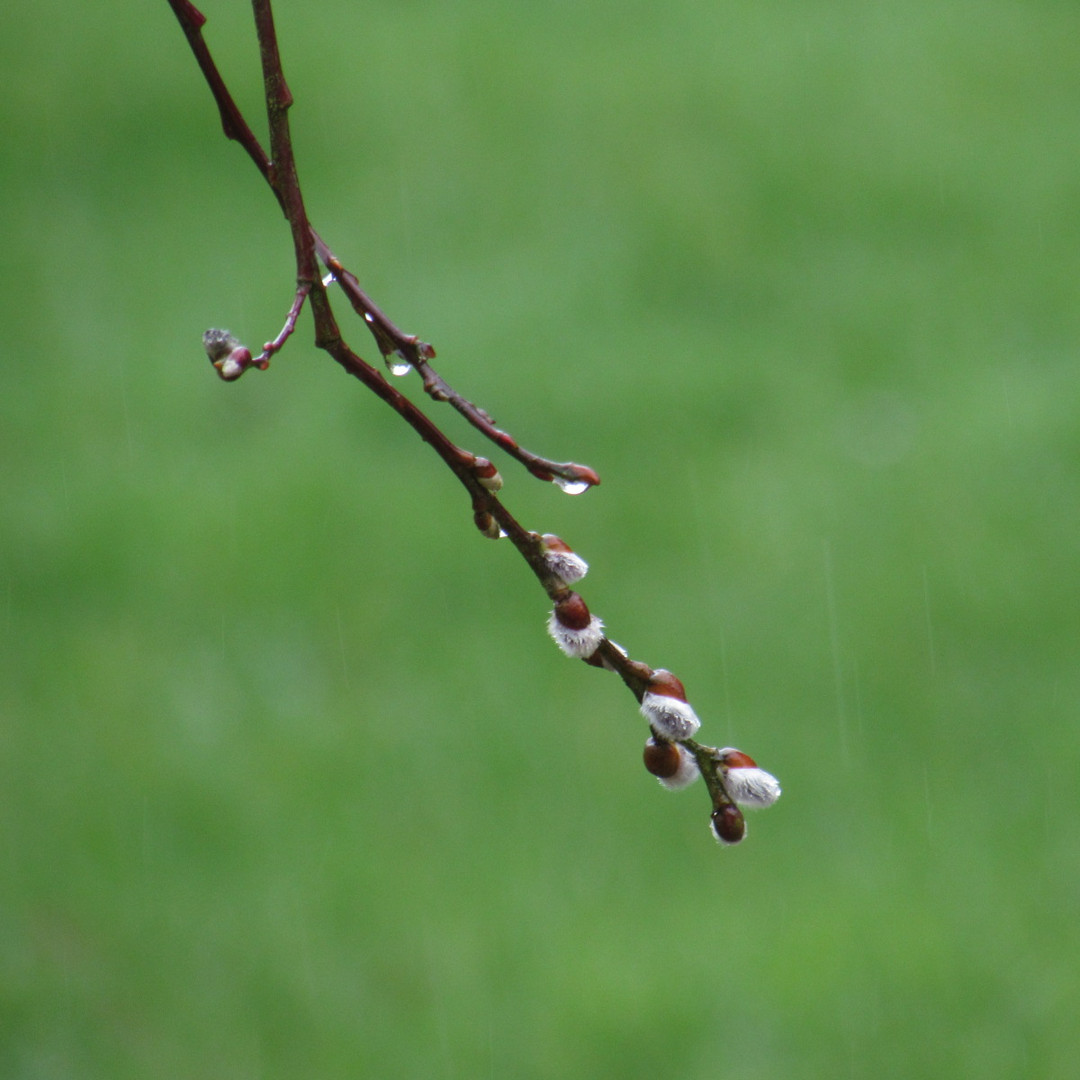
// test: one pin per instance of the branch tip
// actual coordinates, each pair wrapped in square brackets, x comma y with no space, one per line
[229,357]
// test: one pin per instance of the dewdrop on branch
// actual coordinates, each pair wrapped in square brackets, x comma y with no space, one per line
[397,363]
[673,765]
[574,630]
[664,705]
[561,559]
[727,824]
[745,782]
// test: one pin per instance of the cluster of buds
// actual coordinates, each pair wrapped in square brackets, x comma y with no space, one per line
[734,779]
[742,784]
[671,754]
[229,357]
[737,781]
[568,567]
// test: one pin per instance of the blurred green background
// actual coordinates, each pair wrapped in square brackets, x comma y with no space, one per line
[292,782]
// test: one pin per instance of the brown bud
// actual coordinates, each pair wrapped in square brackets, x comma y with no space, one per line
[666,685]
[487,524]
[736,759]
[487,474]
[556,543]
[728,824]
[572,611]
[662,758]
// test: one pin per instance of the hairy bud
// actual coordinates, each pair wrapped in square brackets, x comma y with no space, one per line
[218,344]
[664,705]
[745,782]
[561,559]
[574,630]
[229,357]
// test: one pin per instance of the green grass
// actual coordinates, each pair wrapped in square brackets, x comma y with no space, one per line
[292,782]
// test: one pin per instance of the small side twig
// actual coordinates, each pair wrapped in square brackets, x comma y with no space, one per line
[271,347]
[395,344]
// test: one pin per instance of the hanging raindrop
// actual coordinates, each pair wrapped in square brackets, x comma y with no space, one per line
[397,363]
[571,487]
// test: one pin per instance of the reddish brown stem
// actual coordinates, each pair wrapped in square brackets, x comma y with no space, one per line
[271,347]
[279,170]
[388,336]
[390,340]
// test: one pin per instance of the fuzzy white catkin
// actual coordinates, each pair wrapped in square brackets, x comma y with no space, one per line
[752,787]
[566,565]
[578,644]
[674,719]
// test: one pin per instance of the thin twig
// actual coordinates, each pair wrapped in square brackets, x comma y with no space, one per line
[271,347]
[418,354]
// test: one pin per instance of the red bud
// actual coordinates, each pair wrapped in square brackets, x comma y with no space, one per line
[556,543]
[736,759]
[667,685]
[662,758]
[728,824]
[572,612]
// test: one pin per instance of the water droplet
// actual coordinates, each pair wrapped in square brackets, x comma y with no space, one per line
[397,363]
[571,487]
[368,317]
[503,534]
[328,280]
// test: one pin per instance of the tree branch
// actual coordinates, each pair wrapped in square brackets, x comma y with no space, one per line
[671,753]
